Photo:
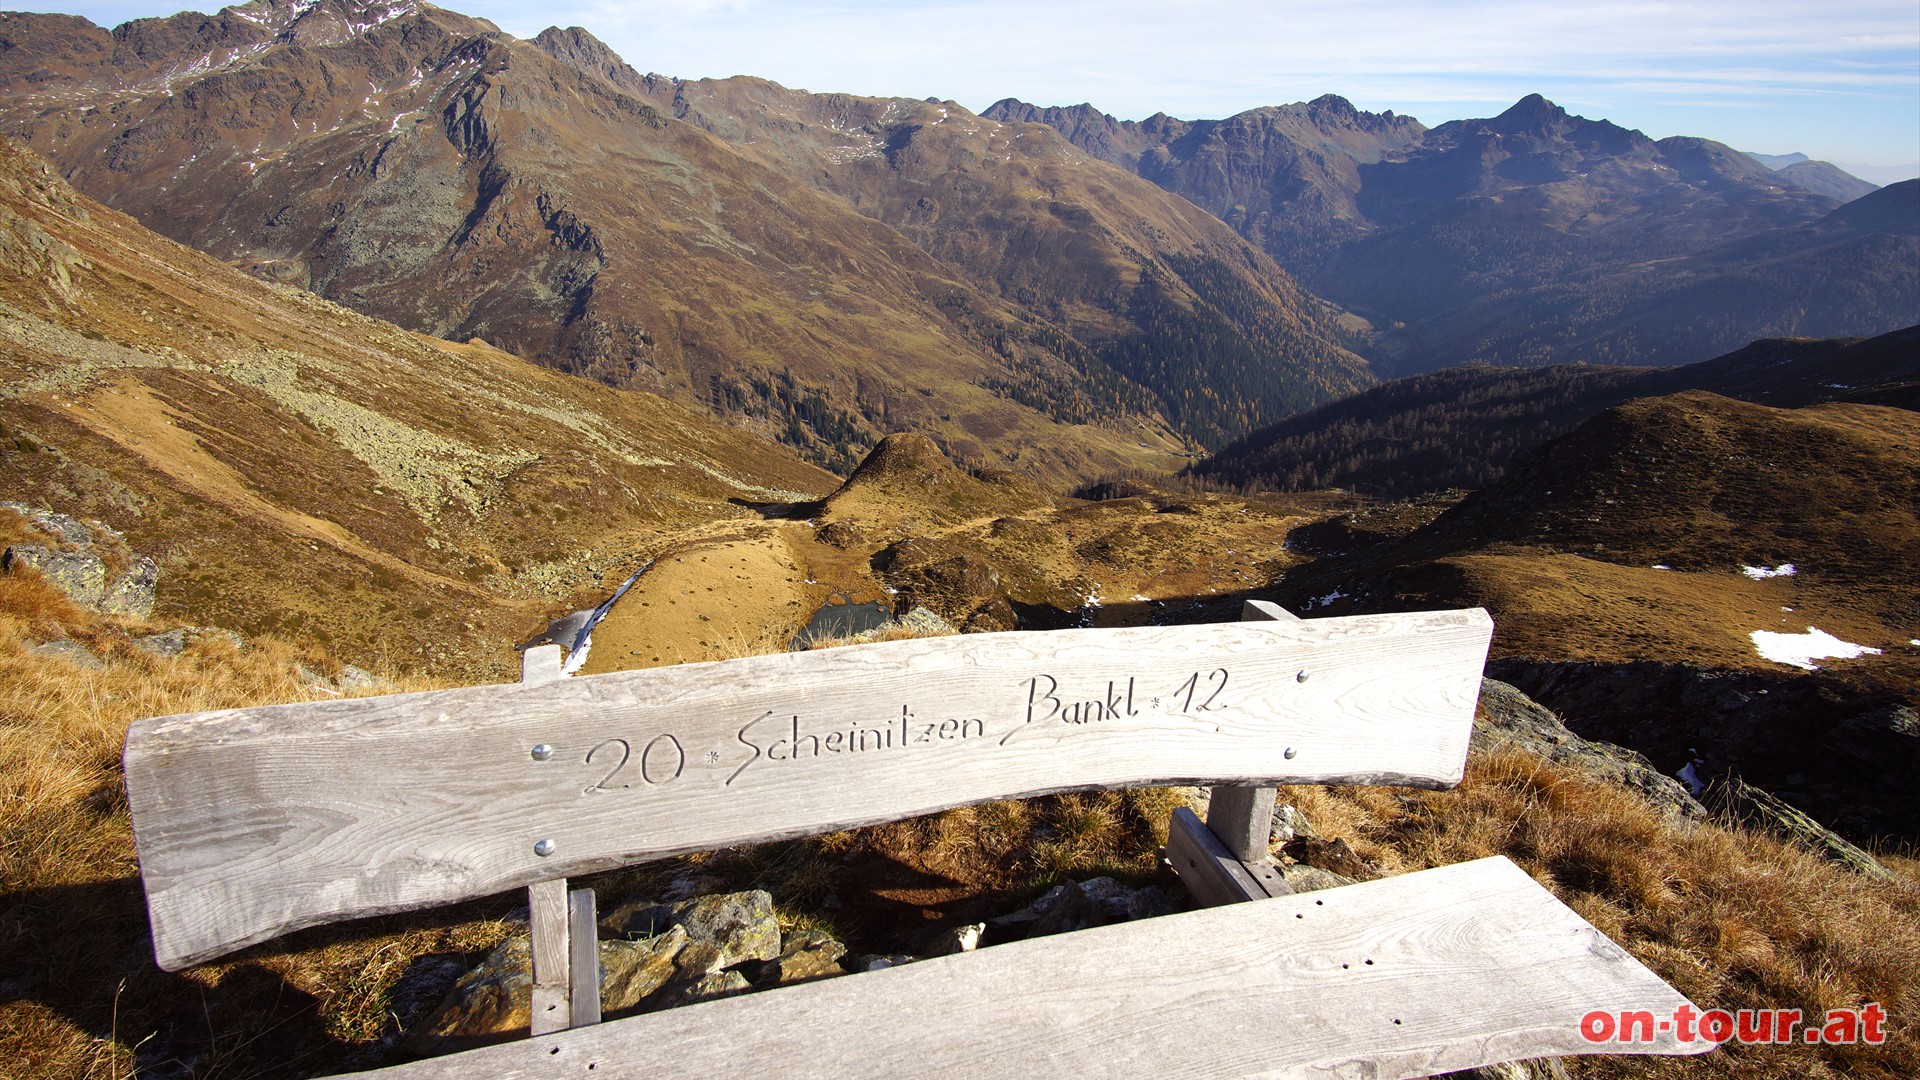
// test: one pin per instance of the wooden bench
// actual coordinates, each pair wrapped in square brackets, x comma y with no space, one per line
[255,822]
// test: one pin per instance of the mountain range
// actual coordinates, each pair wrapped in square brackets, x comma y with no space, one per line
[1531,237]
[1047,289]
[821,268]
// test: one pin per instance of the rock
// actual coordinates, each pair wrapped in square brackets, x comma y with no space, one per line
[807,955]
[924,622]
[176,641]
[491,1003]
[1303,878]
[957,939]
[884,961]
[1825,741]
[667,955]
[1754,808]
[738,926]
[90,562]
[71,651]
[705,988]
[1335,856]
[1076,906]
[1289,822]
[82,575]
[353,680]
[630,971]
[1507,718]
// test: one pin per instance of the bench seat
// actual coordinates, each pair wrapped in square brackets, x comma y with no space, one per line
[1445,969]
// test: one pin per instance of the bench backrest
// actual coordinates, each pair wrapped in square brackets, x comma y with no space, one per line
[255,822]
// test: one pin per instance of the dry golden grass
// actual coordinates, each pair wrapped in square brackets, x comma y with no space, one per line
[1732,919]
[78,988]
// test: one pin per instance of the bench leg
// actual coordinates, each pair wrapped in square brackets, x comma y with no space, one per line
[552,956]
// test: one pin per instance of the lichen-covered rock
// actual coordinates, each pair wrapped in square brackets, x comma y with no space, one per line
[1076,906]
[807,955]
[740,926]
[630,971]
[1507,718]
[489,1004]
[90,562]
[174,642]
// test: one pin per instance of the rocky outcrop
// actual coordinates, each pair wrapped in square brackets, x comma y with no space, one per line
[1737,800]
[1845,754]
[1509,719]
[88,561]
[652,956]
[1077,905]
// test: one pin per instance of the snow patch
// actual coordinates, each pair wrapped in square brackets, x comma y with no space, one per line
[1661,566]
[1691,778]
[1324,601]
[1762,573]
[1801,650]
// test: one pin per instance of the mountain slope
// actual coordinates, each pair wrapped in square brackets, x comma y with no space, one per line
[1615,563]
[294,467]
[422,166]
[1459,428]
[1527,238]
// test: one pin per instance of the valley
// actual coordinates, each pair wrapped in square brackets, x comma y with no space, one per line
[345,346]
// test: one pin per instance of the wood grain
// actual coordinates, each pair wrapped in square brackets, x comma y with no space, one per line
[552,956]
[583,962]
[255,822]
[1242,817]
[1409,976]
[1211,872]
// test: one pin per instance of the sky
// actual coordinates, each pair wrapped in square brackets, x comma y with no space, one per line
[1838,80]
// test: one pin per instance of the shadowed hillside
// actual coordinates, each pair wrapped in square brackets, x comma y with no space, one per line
[1460,427]
[1533,237]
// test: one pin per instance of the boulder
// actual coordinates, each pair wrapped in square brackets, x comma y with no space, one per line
[1740,801]
[1076,906]
[1507,718]
[737,926]
[90,562]
[176,641]
[807,955]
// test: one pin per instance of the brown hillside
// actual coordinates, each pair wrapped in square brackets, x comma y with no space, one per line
[1626,538]
[1017,300]
[297,468]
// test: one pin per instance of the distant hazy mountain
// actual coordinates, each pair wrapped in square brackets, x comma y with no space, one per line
[1820,177]
[1526,238]
[820,268]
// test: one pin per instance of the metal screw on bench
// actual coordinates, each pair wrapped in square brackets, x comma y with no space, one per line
[1291,753]
[543,848]
[1302,677]
[542,752]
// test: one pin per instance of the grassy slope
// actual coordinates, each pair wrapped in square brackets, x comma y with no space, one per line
[295,467]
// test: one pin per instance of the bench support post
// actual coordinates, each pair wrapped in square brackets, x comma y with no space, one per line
[1242,817]
[552,956]
[566,946]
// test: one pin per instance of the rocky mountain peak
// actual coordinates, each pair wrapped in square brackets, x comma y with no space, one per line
[577,47]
